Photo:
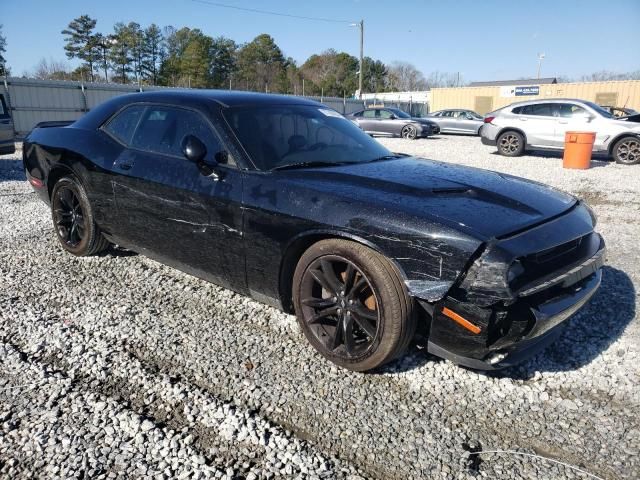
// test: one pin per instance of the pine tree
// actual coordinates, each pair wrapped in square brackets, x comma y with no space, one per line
[223,61]
[79,41]
[153,51]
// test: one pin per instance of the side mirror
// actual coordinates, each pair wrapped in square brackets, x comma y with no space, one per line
[193,149]
[392,117]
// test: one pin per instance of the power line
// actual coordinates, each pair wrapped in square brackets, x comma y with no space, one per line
[266,12]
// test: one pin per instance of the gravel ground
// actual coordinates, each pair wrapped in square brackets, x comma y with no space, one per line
[117,366]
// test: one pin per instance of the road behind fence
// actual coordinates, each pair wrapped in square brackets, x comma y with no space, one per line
[31,101]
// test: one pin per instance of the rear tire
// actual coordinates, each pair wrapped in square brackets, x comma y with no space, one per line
[73,219]
[626,151]
[510,144]
[352,305]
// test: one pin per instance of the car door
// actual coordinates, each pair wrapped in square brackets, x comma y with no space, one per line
[447,121]
[572,117]
[464,123]
[6,128]
[368,121]
[169,208]
[538,123]
[388,123]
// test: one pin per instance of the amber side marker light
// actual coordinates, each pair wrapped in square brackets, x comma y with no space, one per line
[461,320]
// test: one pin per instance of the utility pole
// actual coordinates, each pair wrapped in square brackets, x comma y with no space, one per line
[361,56]
[360,25]
[540,58]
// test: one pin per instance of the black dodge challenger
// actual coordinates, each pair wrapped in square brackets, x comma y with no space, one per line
[286,201]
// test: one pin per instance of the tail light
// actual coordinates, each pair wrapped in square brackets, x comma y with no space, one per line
[488,119]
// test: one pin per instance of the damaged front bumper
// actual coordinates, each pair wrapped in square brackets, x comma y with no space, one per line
[498,315]
[547,327]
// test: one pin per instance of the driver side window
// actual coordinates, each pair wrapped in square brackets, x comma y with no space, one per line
[162,129]
[385,114]
[369,114]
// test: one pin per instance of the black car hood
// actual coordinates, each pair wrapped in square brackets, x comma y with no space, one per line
[480,202]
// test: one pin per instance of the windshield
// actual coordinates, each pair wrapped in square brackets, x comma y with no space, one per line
[399,113]
[600,110]
[284,135]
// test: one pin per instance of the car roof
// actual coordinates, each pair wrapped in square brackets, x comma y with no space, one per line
[546,100]
[194,98]
[226,98]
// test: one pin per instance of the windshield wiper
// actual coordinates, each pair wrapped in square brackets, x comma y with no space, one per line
[309,165]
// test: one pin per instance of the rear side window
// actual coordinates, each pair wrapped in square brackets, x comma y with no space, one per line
[540,109]
[162,129]
[124,123]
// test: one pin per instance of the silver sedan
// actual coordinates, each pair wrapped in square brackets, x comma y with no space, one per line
[457,121]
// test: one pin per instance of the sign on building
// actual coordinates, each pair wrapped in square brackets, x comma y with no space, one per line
[513,91]
[525,91]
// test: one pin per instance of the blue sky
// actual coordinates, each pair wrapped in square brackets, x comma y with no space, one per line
[483,40]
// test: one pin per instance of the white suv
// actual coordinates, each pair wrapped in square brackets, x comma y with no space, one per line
[541,124]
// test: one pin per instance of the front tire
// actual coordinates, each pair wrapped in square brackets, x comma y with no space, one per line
[409,132]
[73,219]
[352,305]
[626,151]
[510,144]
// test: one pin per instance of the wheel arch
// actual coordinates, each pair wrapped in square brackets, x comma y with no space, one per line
[299,244]
[512,129]
[56,173]
[619,137]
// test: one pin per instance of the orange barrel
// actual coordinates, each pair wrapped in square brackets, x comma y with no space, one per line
[577,149]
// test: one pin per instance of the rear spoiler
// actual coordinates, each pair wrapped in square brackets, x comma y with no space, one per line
[55,123]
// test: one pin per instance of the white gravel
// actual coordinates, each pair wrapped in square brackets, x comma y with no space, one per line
[118,366]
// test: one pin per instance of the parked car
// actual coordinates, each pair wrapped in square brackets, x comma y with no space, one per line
[7,141]
[542,124]
[283,199]
[393,122]
[458,121]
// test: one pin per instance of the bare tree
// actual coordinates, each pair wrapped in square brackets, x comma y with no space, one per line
[444,79]
[405,77]
[51,70]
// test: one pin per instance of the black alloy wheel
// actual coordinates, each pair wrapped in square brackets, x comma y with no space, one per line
[73,219]
[352,305]
[68,217]
[339,306]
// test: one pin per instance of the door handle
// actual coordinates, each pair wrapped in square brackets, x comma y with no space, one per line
[125,166]
[563,121]
[523,119]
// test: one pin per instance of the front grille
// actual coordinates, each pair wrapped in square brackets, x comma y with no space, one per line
[555,252]
[542,267]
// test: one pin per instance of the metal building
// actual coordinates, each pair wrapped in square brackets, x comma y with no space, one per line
[483,99]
